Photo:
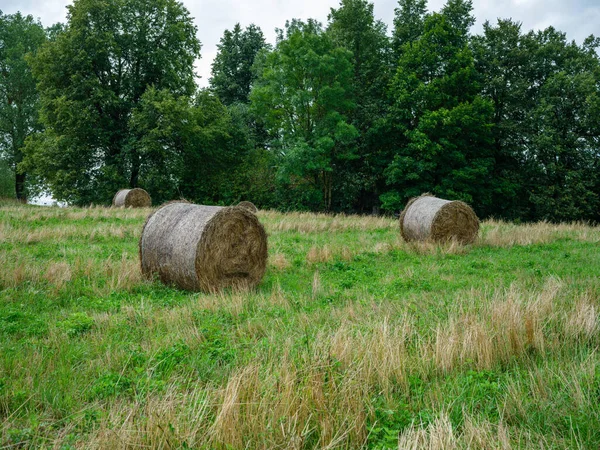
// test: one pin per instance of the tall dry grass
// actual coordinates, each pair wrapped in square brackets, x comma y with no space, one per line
[441,435]
[319,223]
[495,233]
[103,277]
[318,395]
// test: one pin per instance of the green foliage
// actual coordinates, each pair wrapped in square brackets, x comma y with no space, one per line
[255,178]
[168,359]
[21,324]
[565,162]
[91,78]
[458,13]
[303,94]
[7,181]
[232,73]
[565,138]
[543,89]
[165,129]
[388,422]
[409,20]
[501,60]
[442,121]
[76,324]
[353,27]
[346,119]
[179,138]
[19,36]
[109,385]
[222,144]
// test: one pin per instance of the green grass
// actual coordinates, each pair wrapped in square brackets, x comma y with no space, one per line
[354,339]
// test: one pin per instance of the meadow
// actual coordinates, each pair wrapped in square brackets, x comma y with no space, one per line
[354,339]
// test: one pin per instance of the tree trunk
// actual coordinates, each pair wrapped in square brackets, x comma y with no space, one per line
[20,187]
[327,188]
[135,170]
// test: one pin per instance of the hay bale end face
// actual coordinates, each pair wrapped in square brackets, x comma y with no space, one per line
[132,198]
[428,217]
[249,206]
[204,248]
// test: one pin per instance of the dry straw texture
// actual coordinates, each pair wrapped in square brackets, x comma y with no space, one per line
[431,218]
[204,248]
[132,198]
[249,206]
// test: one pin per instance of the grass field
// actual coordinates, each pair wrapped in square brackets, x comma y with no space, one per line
[354,339]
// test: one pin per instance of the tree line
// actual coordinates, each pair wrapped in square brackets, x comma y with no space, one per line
[344,117]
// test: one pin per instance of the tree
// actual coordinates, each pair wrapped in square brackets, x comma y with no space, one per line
[546,131]
[92,77]
[565,130]
[254,177]
[190,148]
[232,74]
[217,152]
[163,129]
[459,15]
[353,26]
[409,19]
[304,95]
[502,60]
[443,123]
[19,102]
[7,181]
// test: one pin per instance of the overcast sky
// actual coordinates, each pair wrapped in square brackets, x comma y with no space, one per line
[577,18]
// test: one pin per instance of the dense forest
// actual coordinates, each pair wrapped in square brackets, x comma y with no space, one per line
[342,117]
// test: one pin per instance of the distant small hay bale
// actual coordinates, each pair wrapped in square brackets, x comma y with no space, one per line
[428,217]
[249,206]
[132,198]
[204,248]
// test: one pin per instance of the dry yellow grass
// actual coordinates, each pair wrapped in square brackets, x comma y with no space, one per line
[316,285]
[502,234]
[123,273]
[282,408]
[319,254]
[279,261]
[583,321]
[67,233]
[58,273]
[319,223]
[507,327]
[441,435]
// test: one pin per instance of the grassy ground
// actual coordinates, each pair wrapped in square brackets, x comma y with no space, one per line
[354,339]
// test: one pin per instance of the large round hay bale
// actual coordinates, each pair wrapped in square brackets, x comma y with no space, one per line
[249,206]
[428,217]
[204,248]
[132,198]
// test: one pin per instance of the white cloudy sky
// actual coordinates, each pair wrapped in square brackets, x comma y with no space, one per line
[578,18]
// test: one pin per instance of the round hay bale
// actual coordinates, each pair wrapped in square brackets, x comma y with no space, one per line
[429,217]
[204,248]
[132,198]
[249,206]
